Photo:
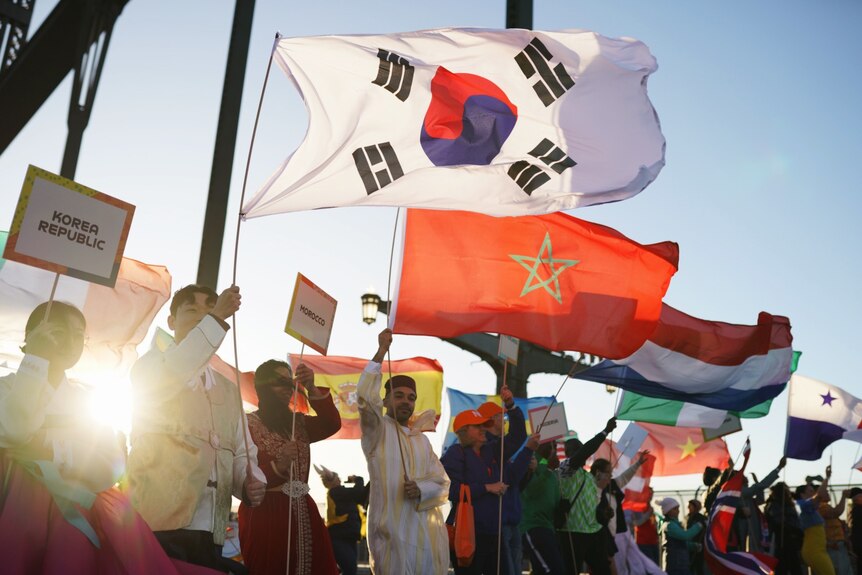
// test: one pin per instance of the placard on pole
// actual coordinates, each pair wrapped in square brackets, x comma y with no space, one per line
[311,314]
[67,228]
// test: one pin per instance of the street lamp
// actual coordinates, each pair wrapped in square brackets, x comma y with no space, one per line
[371,305]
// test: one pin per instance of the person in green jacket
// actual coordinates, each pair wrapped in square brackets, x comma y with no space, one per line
[540,495]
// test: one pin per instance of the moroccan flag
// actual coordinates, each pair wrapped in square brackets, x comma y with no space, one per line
[504,122]
[718,529]
[714,364]
[818,414]
[682,450]
[460,401]
[118,318]
[341,376]
[554,280]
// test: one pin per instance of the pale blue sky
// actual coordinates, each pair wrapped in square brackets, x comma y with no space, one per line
[759,103]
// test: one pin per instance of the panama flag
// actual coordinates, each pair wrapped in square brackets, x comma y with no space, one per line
[504,122]
[718,529]
[117,318]
[818,414]
[709,363]
[554,280]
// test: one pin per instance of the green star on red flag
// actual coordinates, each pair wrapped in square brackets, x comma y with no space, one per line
[536,263]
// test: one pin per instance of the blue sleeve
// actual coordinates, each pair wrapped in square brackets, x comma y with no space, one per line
[516,468]
[517,432]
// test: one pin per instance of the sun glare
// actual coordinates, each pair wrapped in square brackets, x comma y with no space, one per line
[111,404]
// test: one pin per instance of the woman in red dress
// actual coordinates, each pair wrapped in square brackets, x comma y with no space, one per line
[59,509]
[288,516]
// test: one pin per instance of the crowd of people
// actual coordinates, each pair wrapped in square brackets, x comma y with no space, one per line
[192,449]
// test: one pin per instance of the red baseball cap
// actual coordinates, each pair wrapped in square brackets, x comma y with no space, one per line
[468,417]
[489,409]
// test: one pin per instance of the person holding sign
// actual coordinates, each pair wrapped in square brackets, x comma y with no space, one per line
[188,452]
[283,436]
[59,509]
[406,532]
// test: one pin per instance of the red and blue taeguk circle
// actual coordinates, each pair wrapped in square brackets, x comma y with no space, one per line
[468,120]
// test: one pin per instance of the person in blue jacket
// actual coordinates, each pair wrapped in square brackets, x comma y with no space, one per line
[511,554]
[474,462]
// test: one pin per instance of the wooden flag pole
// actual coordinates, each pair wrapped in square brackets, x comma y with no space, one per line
[502,461]
[51,298]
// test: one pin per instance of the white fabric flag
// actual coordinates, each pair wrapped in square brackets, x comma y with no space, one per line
[504,122]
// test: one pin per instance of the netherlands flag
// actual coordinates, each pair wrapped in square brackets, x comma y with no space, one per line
[720,560]
[714,364]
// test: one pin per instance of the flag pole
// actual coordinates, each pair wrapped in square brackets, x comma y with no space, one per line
[388,355]
[292,464]
[235,258]
[855,459]
[502,440]
[553,401]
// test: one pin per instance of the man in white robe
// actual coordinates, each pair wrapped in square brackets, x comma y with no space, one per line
[406,530]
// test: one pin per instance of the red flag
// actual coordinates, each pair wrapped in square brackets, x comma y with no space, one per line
[682,450]
[554,280]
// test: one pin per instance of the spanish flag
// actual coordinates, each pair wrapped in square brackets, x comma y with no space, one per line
[341,376]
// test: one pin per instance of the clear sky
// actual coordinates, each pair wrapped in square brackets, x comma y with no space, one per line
[759,103]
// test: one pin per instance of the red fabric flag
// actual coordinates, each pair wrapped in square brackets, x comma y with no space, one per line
[554,280]
[341,376]
[682,450]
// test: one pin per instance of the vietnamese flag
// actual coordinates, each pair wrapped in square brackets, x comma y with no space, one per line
[682,450]
[341,375]
[555,280]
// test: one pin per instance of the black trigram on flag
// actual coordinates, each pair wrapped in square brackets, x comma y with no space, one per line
[530,176]
[551,84]
[394,74]
[378,166]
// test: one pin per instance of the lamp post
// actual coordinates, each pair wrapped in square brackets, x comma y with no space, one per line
[371,306]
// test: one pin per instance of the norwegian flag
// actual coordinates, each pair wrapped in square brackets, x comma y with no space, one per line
[720,560]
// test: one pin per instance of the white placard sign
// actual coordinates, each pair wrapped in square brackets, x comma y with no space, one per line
[62,226]
[312,312]
[555,425]
[731,424]
[631,440]
[508,349]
